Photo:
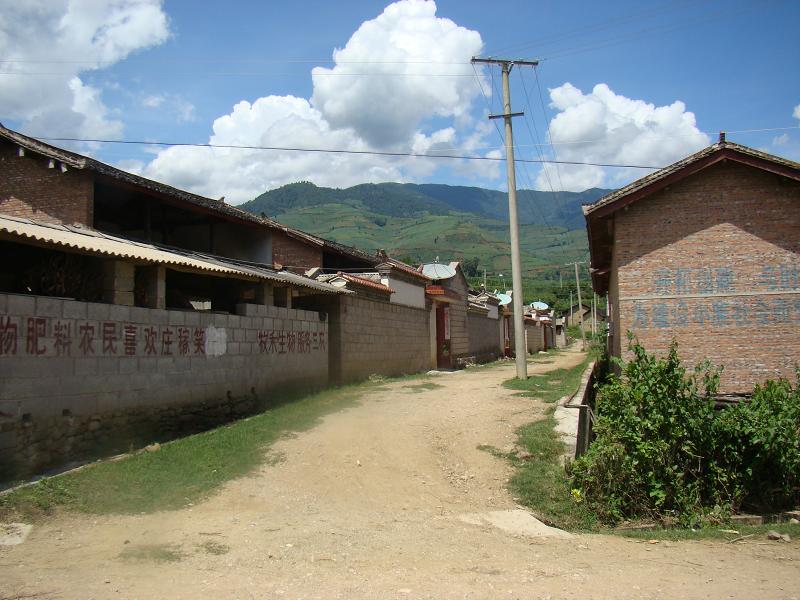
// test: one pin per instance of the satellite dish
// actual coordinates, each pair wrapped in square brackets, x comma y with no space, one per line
[438,271]
[504,299]
[539,306]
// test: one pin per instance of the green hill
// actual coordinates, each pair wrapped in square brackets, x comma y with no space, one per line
[420,222]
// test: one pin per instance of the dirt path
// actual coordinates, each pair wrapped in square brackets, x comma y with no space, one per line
[380,501]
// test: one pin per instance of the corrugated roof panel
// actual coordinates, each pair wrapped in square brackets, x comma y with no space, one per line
[95,242]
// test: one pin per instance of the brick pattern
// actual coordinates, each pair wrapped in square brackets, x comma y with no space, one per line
[81,377]
[382,338]
[731,235]
[294,254]
[31,190]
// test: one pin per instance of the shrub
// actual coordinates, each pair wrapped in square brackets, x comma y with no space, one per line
[662,451]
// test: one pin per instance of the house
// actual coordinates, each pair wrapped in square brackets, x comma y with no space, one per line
[707,252]
[485,326]
[132,311]
[449,334]
[573,315]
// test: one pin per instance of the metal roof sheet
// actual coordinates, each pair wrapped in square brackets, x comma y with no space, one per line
[97,242]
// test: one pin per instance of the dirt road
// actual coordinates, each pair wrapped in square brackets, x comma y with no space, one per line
[387,499]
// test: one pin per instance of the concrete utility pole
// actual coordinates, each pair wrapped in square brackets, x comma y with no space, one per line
[516,268]
[580,305]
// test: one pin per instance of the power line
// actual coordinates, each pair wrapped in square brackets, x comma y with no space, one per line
[335,151]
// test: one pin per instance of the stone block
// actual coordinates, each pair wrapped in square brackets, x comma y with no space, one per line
[49,307]
[73,309]
[21,305]
[176,317]
[121,314]
[97,311]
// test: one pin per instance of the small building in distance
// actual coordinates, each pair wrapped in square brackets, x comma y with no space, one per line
[707,252]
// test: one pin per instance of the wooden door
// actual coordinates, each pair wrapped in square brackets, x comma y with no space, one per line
[443,349]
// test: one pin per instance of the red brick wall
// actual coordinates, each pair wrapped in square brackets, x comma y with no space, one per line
[28,188]
[294,254]
[713,261]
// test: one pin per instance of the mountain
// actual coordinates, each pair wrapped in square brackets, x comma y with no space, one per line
[420,222]
[555,209]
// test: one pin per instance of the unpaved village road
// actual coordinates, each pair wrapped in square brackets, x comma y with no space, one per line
[371,504]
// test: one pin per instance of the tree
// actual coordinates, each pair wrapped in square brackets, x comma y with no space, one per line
[470,266]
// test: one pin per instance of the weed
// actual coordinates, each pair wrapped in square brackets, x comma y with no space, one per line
[153,553]
[422,387]
[215,548]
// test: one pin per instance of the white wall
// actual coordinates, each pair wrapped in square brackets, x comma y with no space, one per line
[405,293]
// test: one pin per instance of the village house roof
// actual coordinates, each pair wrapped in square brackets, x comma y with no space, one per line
[201,203]
[361,280]
[91,241]
[600,230]
[391,263]
[80,162]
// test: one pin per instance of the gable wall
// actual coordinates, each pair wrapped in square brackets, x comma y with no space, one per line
[713,261]
[29,189]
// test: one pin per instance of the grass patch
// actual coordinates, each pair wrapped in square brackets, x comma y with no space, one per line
[182,472]
[422,387]
[541,483]
[215,548]
[152,553]
[550,386]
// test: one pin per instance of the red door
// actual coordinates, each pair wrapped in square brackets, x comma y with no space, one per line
[443,336]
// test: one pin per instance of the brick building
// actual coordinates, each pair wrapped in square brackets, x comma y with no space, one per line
[132,311]
[706,251]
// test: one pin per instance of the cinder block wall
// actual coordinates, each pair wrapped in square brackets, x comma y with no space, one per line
[484,337]
[79,379]
[291,253]
[535,337]
[381,338]
[713,262]
[31,190]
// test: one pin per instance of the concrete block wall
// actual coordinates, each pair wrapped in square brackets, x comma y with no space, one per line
[381,338]
[79,379]
[485,341]
[30,189]
[535,336]
[713,262]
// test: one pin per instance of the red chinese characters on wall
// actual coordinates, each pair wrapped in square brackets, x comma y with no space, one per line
[54,337]
[290,342]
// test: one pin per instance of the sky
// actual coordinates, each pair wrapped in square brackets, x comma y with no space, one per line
[638,84]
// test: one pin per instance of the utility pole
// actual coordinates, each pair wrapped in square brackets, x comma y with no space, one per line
[580,305]
[484,280]
[516,268]
[571,318]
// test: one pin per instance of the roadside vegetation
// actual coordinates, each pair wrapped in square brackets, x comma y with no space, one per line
[665,464]
[663,452]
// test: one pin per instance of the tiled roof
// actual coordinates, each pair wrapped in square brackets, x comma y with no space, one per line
[730,150]
[80,162]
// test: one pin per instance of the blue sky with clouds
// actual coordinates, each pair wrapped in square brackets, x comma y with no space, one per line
[637,83]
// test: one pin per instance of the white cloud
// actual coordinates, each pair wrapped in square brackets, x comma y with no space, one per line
[49,96]
[402,88]
[604,127]
[153,101]
[382,111]
[780,140]
[796,113]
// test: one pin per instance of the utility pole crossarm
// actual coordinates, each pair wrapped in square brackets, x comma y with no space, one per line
[500,61]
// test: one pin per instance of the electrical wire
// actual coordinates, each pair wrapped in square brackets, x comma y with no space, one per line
[326,151]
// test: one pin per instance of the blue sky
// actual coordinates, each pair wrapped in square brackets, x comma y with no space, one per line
[641,83]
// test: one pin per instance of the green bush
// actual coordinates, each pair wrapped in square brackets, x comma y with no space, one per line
[663,451]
